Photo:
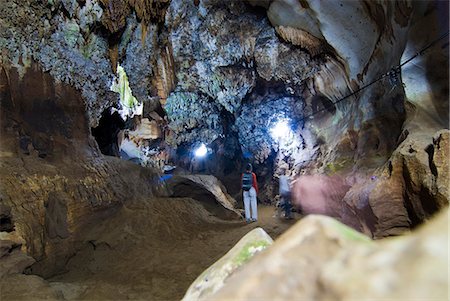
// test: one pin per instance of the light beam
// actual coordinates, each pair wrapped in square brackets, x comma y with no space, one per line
[201,151]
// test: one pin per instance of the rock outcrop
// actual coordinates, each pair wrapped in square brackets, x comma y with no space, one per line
[54,180]
[205,189]
[215,277]
[13,259]
[321,259]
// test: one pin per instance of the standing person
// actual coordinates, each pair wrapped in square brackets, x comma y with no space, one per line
[250,190]
[285,194]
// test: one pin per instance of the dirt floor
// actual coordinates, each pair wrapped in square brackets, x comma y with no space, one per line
[153,250]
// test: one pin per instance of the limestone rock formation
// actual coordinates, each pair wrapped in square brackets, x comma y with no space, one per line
[321,259]
[68,43]
[139,44]
[27,287]
[186,112]
[215,277]
[13,259]
[54,180]
[68,47]
[280,61]
[199,187]
[223,73]
[412,182]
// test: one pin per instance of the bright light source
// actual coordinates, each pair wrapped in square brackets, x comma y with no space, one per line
[201,151]
[280,129]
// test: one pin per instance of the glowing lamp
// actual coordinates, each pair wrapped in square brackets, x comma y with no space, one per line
[280,129]
[201,151]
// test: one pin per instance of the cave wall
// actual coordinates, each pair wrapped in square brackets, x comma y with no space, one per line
[223,73]
[209,64]
[54,181]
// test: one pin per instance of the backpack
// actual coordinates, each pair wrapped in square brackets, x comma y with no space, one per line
[247,181]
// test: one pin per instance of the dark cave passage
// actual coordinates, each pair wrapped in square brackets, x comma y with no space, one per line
[106,133]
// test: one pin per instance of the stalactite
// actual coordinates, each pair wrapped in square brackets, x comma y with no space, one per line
[302,38]
[165,73]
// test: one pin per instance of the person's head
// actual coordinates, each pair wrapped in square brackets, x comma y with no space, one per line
[248,167]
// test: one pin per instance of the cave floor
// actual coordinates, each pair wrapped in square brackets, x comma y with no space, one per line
[153,250]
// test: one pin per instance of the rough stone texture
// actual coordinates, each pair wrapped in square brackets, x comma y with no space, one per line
[199,187]
[227,69]
[412,187]
[215,277]
[115,14]
[186,112]
[53,177]
[303,39]
[66,40]
[222,50]
[353,63]
[264,115]
[68,47]
[321,259]
[13,258]
[281,62]
[27,287]
[405,192]
[150,10]
[212,53]
[139,58]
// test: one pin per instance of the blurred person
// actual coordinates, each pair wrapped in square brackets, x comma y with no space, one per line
[285,194]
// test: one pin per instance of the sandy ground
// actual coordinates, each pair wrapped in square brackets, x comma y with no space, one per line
[153,250]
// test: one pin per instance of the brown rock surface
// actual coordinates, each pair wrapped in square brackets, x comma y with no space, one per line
[13,258]
[205,188]
[407,191]
[27,287]
[153,249]
[53,178]
[321,259]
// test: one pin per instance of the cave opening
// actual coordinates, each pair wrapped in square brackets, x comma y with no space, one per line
[106,133]
[6,224]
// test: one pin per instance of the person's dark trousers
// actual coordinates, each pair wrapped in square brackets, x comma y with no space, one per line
[287,206]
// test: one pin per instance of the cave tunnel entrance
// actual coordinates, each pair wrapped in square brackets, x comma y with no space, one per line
[106,132]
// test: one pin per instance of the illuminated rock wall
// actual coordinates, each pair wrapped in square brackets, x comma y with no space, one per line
[222,73]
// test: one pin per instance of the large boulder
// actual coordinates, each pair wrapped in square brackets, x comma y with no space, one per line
[321,259]
[215,277]
[208,190]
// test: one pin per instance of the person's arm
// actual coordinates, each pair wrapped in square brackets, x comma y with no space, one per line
[255,183]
